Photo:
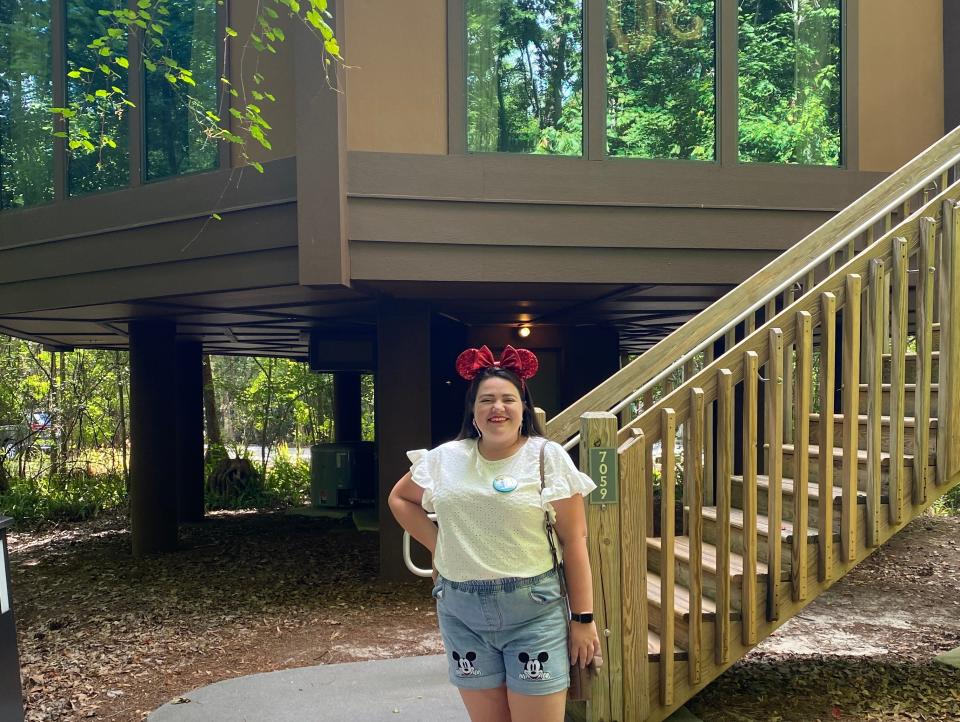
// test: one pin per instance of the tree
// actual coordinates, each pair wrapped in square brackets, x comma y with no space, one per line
[91,118]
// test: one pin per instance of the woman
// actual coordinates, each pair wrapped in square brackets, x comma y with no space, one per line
[508,635]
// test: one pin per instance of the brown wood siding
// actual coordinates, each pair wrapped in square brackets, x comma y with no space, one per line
[387,261]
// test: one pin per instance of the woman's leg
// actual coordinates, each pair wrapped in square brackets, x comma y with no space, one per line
[487,705]
[537,708]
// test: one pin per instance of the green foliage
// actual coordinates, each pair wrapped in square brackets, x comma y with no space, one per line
[100,99]
[525,76]
[789,82]
[71,497]
[661,72]
[26,93]
[287,483]
[948,504]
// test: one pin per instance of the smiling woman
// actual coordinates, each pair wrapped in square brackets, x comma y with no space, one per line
[510,628]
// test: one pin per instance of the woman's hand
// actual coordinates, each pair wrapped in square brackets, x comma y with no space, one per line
[584,644]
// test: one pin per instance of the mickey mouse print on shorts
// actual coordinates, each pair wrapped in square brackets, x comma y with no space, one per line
[465,667]
[533,666]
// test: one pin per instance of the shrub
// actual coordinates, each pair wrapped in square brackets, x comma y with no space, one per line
[72,497]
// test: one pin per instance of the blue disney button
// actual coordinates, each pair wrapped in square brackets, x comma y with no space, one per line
[505,484]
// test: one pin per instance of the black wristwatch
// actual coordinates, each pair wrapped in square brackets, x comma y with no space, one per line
[584,618]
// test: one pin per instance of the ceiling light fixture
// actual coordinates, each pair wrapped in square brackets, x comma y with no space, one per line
[524,331]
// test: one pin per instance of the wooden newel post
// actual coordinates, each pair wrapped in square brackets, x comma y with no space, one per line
[598,458]
[949,401]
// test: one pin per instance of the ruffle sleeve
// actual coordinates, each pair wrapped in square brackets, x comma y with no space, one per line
[561,478]
[423,471]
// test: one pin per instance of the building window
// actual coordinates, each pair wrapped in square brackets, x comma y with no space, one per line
[524,64]
[107,168]
[175,141]
[26,95]
[789,84]
[661,78]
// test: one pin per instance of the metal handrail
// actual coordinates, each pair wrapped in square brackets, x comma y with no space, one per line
[949,143]
[408,560]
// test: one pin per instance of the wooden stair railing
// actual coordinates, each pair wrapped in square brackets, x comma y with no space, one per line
[867,437]
[799,268]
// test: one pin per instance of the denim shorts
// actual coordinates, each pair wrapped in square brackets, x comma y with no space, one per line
[511,631]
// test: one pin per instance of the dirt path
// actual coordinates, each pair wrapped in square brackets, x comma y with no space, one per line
[105,636]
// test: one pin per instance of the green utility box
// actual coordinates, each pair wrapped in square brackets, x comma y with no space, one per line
[341,474]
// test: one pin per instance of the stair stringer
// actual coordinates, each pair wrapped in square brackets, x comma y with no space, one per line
[710,669]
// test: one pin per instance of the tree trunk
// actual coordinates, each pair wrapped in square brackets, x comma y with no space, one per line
[123,418]
[214,439]
[53,415]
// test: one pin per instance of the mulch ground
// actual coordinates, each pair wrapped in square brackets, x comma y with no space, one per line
[106,636]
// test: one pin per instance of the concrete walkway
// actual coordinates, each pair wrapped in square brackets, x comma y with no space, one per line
[411,688]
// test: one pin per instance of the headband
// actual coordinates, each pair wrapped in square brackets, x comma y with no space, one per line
[518,360]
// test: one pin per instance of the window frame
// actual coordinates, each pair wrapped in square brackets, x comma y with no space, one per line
[135,121]
[727,42]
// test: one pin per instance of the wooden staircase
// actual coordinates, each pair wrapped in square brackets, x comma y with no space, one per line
[795,427]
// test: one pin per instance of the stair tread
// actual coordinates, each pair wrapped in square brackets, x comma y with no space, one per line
[653,646]
[911,354]
[681,597]
[814,450]
[787,486]
[763,524]
[681,549]
[907,387]
[862,419]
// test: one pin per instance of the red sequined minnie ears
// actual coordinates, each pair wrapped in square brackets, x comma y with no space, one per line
[518,360]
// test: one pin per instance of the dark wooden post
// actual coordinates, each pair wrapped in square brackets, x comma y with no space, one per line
[153,494]
[346,407]
[402,411]
[189,437]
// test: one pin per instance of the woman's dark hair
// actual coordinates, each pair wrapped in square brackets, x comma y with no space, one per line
[529,426]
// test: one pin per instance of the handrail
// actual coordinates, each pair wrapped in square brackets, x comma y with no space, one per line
[713,322]
[731,358]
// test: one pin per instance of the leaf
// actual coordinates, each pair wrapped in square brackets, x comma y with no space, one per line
[122,61]
[230,32]
[257,166]
[216,217]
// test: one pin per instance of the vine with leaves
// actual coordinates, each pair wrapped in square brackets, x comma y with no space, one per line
[150,21]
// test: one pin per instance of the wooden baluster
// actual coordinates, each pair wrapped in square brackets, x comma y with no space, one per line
[708,470]
[648,506]
[885,311]
[668,429]
[724,472]
[809,281]
[802,476]
[928,229]
[874,378]
[688,372]
[633,574]
[748,607]
[599,429]
[773,399]
[693,477]
[948,429]
[850,404]
[651,529]
[770,310]
[788,379]
[898,347]
[828,375]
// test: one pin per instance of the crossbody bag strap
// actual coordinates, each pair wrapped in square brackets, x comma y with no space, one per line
[548,527]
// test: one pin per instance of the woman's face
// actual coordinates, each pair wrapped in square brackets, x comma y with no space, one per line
[498,411]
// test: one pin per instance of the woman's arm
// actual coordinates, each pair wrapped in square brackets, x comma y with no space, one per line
[404,501]
[571,526]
